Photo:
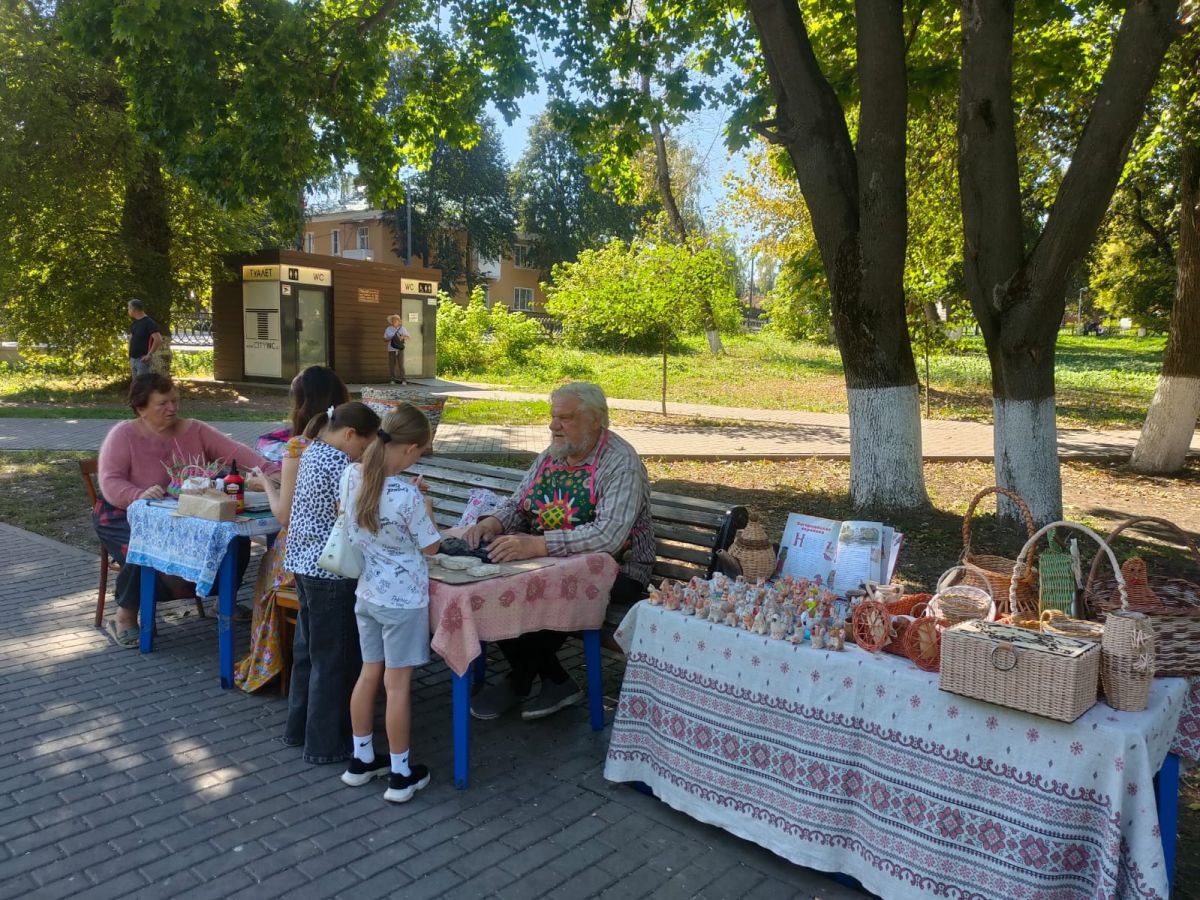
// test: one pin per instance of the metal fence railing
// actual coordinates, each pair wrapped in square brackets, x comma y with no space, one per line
[192,329]
[550,325]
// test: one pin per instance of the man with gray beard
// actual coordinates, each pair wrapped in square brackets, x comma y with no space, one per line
[588,492]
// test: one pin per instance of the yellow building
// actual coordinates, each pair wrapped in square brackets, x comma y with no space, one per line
[362,234]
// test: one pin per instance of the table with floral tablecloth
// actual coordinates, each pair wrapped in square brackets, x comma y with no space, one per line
[570,594]
[195,550]
[856,763]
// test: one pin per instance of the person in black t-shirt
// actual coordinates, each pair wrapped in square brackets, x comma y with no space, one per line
[144,338]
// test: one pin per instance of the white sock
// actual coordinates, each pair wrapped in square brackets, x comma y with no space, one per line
[400,763]
[364,748]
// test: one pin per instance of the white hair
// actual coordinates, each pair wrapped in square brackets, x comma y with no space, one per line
[590,397]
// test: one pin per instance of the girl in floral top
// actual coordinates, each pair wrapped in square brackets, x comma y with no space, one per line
[392,523]
[325,656]
[312,392]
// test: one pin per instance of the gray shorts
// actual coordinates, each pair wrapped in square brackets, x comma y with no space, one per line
[399,638]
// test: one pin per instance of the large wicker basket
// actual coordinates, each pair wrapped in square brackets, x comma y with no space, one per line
[1022,669]
[753,551]
[999,568]
[1172,604]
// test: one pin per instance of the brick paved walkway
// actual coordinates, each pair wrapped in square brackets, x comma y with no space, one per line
[125,775]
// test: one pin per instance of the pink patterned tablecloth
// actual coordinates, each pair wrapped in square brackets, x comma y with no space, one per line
[570,595]
[857,763]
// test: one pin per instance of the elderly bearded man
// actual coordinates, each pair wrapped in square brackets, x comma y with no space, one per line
[600,503]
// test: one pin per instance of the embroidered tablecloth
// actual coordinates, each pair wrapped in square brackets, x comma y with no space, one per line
[184,545]
[570,595]
[855,762]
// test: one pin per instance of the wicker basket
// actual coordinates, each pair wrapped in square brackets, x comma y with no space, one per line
[999,568]
[963,593]
[1062,625]
[753,550]
[1037,673]
[1172,604]
[1127,663]
[1031,545]
[1057,586]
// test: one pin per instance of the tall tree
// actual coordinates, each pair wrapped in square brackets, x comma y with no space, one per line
[258,100]
[462,210]
[854,189]
[1017,287]
[1171,420]
[558,203]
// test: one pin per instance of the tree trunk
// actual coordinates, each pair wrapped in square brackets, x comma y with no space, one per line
[146,234]
[662,179]
[1171,420]
[1018,297]
[861,233]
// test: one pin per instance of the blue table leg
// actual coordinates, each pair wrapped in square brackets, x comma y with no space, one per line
[462,729]
[479,667]
[595,677]
[1166,787]
[226,593]
[148,589]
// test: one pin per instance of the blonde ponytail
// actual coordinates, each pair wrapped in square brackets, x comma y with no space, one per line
[404,424]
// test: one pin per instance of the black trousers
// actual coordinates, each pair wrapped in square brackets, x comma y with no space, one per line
[536,653]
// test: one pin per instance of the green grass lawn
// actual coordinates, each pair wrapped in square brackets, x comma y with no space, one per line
[1102,382]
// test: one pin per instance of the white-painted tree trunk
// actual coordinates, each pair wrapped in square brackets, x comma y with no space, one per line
[714,341]
[1169,427]
[1025,438]
[885,448]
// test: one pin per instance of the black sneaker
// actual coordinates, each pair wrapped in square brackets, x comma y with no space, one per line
[402,787]
[359,773]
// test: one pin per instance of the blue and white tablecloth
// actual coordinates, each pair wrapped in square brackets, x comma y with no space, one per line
[183,545]
[855,762]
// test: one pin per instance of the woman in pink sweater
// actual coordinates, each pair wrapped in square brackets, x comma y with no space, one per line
[133,461]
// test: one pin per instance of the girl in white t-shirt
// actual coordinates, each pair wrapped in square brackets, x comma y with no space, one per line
[391,521]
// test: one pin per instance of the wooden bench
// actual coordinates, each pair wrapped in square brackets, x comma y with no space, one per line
[688,532]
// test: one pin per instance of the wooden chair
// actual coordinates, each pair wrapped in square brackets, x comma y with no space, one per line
[87,471]
[287,607]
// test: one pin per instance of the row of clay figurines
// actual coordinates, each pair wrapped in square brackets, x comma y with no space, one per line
[791,609]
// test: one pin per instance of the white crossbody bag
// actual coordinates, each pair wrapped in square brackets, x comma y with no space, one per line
[339,556]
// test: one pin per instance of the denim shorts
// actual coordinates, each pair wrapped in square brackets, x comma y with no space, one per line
[397,637]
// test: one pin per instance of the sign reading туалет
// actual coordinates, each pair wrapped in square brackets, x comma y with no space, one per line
[294,274]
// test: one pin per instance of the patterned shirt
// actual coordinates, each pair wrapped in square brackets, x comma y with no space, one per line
[314,508]
[622,510]
[395,573]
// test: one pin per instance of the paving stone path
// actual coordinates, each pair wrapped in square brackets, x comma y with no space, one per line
[123,775]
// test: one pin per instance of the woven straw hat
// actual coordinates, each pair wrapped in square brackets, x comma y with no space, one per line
[753,550]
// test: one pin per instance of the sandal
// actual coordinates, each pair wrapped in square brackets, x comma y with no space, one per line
[124,637]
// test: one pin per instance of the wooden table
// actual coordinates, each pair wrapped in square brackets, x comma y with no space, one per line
[571,594]
[198,550]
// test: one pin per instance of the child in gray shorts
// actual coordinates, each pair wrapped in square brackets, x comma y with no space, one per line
[391,521]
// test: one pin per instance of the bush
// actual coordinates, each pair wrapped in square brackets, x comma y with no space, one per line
[473,339]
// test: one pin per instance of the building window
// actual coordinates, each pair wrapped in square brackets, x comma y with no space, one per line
[523,299]
[521,256]
[310,242]
[364,242]
[335,242]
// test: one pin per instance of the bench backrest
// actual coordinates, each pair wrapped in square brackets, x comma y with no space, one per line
[688,532]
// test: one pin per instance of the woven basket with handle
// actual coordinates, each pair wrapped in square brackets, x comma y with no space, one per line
[753,550]
[999,568]
[963,593]
[1172,604]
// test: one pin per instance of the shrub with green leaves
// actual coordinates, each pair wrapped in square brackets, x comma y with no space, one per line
[474,338]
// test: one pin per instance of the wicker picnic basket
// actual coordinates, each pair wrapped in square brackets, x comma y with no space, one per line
[1127,661]
[999,568]
[753,550]
[1022,669]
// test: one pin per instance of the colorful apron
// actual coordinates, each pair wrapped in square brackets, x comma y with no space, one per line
[561,496]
